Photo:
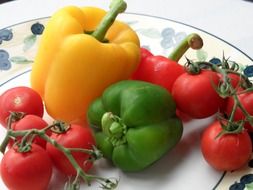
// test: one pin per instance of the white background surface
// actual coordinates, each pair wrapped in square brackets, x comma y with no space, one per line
[231,20]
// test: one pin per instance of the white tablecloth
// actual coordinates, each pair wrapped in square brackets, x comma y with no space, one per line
[230,20]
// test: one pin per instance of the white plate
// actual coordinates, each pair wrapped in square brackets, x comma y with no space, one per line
[183,167]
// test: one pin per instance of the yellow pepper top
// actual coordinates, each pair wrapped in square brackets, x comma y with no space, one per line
[72,67]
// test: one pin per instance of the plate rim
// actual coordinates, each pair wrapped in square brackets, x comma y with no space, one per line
[150,16]
[141,15]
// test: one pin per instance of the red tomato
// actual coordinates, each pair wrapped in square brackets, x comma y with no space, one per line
[228,152]
[20,99]
[246,99]
[234,79]
[183,116]
[158,69]
[26,171]
[31,122]
[76,137]
[195,96]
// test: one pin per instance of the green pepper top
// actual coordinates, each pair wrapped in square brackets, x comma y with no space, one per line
[135,124]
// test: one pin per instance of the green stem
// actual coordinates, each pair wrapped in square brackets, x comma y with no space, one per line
[193,41]
[237,104]
[5,143]
[113,126]
[66,151]
[95,153]
[6,140]
[231,118]
[246,82]
[24,146]
[244,111]
[116,7]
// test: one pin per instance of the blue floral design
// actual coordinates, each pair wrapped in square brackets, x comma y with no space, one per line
[248,71]
[167,38]
[170,38]
[5,64]
[215,61]
[237,186]
[36,29]
[245,181]
[5,35]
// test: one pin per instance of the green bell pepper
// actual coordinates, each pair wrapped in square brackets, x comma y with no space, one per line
[135,124]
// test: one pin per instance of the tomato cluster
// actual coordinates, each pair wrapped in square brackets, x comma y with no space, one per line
[205,89]
[28,163]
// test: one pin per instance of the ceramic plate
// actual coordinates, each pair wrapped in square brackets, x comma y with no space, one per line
[183,167]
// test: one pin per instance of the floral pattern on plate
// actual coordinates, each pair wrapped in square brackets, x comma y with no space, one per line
[18,46]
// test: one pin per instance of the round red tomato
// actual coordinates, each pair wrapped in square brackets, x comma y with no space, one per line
[20,99]
[75,137]
[31,122]
[195,95]
[158,70]
[26,171]
[228,152]
[246,99]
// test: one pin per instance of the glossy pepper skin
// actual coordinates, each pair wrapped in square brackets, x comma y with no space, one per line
[162,70]
[134,124]
[72,67]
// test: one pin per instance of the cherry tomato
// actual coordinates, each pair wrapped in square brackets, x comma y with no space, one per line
[234,79]
[195,95]
[228,152]
[20,99]
[75,137]
[157,69]
[31,122]
[26,171]
[246,99]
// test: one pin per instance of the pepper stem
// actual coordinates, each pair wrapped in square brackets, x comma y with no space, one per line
[193,41]
[116,7]
[112,125]
[114,128]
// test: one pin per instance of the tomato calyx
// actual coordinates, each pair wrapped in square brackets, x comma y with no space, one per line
[192,67]
[231,127]
[23,147]
[225,69]
[14,116]
[60,127]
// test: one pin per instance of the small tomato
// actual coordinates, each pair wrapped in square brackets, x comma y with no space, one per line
[20,99]
[195,95]
[31,122]
[246,100]
[28,170]
[75,137]
[227,152]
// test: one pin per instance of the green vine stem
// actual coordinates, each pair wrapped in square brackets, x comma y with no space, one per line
[12,117]
[225,89]
[96,154]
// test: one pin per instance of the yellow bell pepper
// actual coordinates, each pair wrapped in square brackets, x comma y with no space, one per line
[82,51]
